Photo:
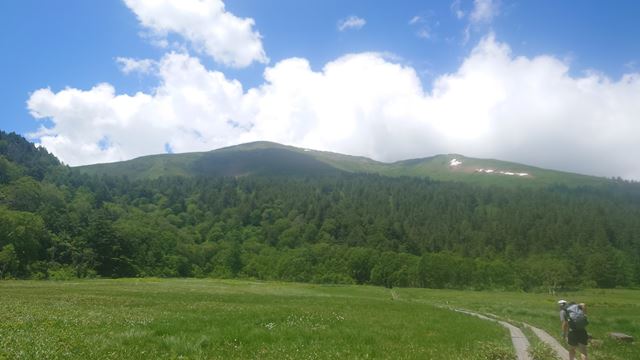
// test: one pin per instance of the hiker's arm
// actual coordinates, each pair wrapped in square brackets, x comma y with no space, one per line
[565,329]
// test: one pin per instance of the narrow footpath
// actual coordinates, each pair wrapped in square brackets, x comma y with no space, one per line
[551,341]
[520,342]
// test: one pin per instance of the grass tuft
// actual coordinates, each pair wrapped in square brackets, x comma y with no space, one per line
[541,351]
[492,351]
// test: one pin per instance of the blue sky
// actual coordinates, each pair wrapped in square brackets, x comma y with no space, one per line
[443,54]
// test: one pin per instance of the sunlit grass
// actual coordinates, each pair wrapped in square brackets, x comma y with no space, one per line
[198,319]
[608,310]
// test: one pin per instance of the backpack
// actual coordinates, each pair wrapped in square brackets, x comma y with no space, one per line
[576,317]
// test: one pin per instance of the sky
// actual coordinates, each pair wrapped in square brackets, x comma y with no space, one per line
[554,84]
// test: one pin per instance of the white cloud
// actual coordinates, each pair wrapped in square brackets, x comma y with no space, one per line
[415,20]
[352,22]
[631,65]
[355,105]
[206,24]
[483,11]
[466,34]
[424,34]
[456,9]
[481,16]
[143,66]
[191,110]
[424,30]
[495,105]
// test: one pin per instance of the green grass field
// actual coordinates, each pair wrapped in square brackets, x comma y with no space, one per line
[216,319]
[202,319]
[608,311]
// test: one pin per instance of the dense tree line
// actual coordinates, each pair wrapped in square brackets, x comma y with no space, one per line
[339,228]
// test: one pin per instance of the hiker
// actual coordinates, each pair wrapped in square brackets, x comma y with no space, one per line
[573,318]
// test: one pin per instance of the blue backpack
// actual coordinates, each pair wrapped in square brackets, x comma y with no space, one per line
[576,317]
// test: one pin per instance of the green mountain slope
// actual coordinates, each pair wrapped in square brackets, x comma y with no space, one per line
[18,157]
[453,167]
[266,158]
[353,227]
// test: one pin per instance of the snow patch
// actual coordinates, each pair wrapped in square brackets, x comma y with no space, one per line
[502,172]
[454,162]
[487,171]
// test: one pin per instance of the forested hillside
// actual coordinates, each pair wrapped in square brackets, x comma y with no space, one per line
[331,228]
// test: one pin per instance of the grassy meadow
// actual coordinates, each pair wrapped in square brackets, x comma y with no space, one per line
[213,319]
[217,319]
[609,310]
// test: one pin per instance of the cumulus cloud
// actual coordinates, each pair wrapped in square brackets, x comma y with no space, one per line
[352,22]
[495,105]
[190,110]
[207,26]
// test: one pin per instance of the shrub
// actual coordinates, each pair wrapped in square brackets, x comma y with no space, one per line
[62,272]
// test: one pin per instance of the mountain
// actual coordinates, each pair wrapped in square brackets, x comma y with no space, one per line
[348,227]
[267,158]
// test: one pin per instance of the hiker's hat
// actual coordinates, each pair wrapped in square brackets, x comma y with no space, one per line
[562,302]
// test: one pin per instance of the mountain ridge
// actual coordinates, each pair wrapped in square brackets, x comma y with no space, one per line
[269,158]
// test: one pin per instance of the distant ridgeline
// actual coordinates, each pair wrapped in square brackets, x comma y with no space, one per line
[268,211]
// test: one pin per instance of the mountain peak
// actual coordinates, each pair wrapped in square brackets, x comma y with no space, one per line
[253,145]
